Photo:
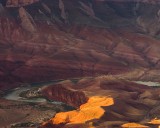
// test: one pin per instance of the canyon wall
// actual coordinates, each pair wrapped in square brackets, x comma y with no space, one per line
[111,102]
[38,45]
[71,97]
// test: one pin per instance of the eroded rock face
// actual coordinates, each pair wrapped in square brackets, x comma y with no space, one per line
[149,20]
[92,110]
[10,31]
[86,47]
[27,21]
[110,102]
[19,3]
[60,93]
[37,45]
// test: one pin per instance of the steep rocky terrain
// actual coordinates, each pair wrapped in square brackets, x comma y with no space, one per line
[16,114]
[44,40]
[111,103]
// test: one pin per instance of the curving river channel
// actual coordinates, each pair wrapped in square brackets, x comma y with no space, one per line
[15,93]
[148,83]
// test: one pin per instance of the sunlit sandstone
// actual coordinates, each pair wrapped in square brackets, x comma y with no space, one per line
[133,125]
[88,111]
[155,121]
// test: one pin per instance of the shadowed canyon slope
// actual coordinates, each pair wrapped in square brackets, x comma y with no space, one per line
[42,41]
[46,40]
[111,103]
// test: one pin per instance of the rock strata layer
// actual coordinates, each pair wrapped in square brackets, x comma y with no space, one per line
[37,44]
[111,102]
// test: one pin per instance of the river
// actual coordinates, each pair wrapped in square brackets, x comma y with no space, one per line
[15,93]
[148,83]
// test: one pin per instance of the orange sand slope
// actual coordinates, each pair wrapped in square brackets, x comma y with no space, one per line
[108,103]
[89,111]
[133,125]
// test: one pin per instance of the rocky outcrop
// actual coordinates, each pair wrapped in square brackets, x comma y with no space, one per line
[102,37]
[89,48]
[19,3]
[92,110]
[53,54]
[149,25]
[69,96]
[110,102]
[10,31]
[27,21]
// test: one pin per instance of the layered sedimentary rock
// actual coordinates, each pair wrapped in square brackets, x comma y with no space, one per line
[19,3]
[111,102]
[27,21]
[134,125]
[54,51]
[64,57]
[92,110]
[65,39]
[71,97]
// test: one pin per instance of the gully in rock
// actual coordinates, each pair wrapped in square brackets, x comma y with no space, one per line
[90,63]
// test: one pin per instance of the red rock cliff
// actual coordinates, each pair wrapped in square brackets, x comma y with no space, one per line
[70,96]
